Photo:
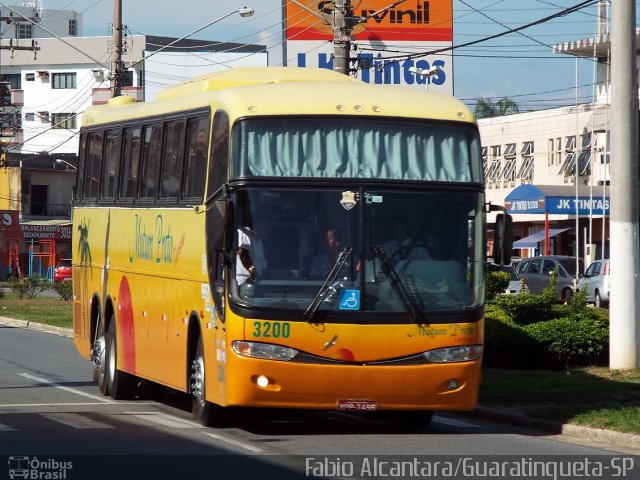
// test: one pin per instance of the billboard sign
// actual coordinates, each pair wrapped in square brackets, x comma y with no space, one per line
[386,44]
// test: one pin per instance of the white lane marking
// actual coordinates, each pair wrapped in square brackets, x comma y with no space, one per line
[454,423]
[66,389]
[75,420]
[165,419]
[237,443]
[5,428]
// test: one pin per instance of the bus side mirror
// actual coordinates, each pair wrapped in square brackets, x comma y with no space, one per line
[503,242]
[217,225]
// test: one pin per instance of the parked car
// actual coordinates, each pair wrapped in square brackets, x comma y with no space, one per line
[537,274]
[62,272]
[595,283]
[515,284]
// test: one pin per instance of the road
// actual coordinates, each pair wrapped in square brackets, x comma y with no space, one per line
[51,410]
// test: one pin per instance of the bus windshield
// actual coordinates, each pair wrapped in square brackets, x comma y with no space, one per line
[390,251]
[327,147]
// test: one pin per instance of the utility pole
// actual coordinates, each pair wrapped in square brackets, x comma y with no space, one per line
[342,26]
[116,63]
[624,334]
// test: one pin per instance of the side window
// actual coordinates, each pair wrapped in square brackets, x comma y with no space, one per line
[219,153]
[548,267]
[596,268]
[591,270]
[93,165]
[535,266]
[130,160]
[82,152]
[111,161]
[522,266]
[172,160]
[150,162]
[196,160]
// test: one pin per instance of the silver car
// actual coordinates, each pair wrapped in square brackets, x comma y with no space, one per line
[595,283]
[515,283]
[537,274]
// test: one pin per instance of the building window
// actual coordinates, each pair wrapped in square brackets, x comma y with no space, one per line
[526,171]
[493,174]
[24,30]
[63,120]
[569,165]
[73,27]
[29,117]
[30,77]
[510,150]
[570,144]
[509,170]
[495,151]
[63,80]
[15,79]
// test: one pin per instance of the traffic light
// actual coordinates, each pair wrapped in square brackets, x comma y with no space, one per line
[5,94]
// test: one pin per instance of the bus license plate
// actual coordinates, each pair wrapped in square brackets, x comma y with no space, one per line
[357,406]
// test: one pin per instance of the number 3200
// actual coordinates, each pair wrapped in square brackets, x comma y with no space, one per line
[271,329]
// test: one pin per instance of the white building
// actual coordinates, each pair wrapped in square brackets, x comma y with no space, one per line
[551,168]
[33,20]
[50,88]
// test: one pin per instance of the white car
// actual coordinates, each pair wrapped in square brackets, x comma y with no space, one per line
[595,283]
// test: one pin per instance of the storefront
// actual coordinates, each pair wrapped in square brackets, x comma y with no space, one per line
[546,219]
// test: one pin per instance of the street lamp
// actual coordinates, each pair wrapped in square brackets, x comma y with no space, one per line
[426,73]
[243,12]
[61,161]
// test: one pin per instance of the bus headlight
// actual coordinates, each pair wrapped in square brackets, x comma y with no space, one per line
[265,351]
[454,354]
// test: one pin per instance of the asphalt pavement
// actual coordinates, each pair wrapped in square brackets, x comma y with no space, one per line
[513,416]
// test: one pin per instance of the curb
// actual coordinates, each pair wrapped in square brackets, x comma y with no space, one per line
[39,327]
[610,437]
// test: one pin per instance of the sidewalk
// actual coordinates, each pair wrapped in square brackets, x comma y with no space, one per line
[513,416]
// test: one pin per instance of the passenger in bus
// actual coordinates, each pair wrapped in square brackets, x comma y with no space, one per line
[401,246]
[325,260]
[251,262]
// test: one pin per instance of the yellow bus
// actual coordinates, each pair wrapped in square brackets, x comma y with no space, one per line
[283,238]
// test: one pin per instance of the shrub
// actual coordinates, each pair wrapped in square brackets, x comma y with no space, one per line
[497,282]
[526,308]
[572,342]
[29,287]
[64,289]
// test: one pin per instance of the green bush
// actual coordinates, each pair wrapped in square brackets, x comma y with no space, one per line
[497,283]
[534,331]
[526,308]
[507,344]
[64,289]
[572,342]
[29,287]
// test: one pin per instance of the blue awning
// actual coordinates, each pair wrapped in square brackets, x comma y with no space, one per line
[532,240]
[558,199]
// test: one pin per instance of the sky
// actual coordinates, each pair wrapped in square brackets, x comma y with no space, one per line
[521,66]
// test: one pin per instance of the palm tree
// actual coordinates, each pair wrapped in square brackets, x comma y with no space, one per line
[486,108]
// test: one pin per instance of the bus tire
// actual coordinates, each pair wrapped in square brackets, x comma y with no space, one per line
[207,413]
[121,385]
[100,359]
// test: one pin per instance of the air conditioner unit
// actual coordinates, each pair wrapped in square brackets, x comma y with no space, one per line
[43,74]
[98,74]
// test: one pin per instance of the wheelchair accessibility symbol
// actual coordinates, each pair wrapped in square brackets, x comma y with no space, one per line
[350,300]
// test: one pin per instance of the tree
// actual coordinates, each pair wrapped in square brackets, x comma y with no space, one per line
[487,108]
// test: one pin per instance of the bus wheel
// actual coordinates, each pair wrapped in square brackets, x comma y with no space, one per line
[99,360]
[207,413]
[121,385]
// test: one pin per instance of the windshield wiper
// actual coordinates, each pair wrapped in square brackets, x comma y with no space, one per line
[328,284]
[416,314]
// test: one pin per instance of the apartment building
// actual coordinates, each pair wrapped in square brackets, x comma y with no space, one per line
[51,83]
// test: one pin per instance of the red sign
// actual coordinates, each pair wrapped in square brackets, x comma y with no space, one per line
[9,224]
